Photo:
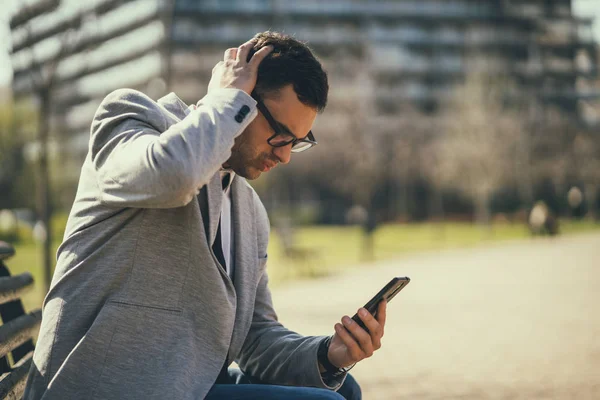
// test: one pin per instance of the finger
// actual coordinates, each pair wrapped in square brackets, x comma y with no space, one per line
[363,338]
[353,347]
[243,50]
[217,65]
[259,56]
[230,54]
[372,325]
[381,315]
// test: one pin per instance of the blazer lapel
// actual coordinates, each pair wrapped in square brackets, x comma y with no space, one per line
[244,231]
[210,198]
[246,259]
[215,198]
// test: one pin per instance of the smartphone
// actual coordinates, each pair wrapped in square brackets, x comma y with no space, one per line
[387,293]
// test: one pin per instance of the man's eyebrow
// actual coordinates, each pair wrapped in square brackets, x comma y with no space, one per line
[285,127]
[288,130]
[281,125]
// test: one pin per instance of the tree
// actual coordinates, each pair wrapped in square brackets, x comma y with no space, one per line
[16,129]
[586,151]
[42,74]
[476,150]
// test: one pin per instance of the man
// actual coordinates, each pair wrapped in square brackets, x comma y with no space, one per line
[161,278]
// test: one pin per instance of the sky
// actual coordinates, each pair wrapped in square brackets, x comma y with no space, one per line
[585,8]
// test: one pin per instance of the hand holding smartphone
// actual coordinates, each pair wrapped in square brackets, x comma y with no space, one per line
[387,293]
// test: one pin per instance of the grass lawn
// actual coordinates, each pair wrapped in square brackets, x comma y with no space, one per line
[335,249]
[324,250]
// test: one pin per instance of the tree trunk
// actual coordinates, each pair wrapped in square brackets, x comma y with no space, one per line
[369,235]
[591,200]
[368,250]
[44,202]
[482,212]
[436,206]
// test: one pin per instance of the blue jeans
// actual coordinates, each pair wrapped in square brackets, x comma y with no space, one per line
[237,386]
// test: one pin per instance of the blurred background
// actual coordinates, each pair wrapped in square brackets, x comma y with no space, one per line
[453,127]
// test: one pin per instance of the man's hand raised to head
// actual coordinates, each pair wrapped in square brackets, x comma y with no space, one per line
[235,71]
[351,343]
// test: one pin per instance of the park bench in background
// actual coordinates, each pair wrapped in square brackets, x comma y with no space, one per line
[17,330]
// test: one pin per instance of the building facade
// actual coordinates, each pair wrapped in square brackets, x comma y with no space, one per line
[381,54]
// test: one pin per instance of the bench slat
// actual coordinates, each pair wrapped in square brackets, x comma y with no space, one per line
[11,288]
[17,331]
[6,251]
[12,384]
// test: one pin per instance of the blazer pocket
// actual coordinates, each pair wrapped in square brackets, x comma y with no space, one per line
[141,354]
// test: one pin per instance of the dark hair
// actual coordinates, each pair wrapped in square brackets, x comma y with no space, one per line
[290,62]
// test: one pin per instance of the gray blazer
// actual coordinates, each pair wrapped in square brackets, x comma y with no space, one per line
[139,306]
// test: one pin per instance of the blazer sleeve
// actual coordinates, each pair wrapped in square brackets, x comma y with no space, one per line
[273,353]
[142,161]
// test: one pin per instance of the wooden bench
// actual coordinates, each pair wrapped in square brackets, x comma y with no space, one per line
[17,330]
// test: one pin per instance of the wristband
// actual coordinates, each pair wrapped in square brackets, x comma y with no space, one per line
[331,371]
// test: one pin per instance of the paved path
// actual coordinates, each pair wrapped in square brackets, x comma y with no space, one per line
[513,321]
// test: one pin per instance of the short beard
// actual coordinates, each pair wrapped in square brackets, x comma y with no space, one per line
[242,159]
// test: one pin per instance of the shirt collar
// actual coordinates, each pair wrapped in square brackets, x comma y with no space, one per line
[222,173]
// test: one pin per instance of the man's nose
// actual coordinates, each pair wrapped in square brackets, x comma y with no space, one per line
[283,153]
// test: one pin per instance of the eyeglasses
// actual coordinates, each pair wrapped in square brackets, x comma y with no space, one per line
[283,136]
